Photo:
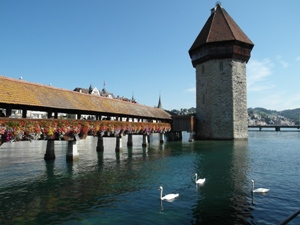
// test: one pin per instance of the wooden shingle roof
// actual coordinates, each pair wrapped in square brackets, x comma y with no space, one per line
[220,27]
[22,93]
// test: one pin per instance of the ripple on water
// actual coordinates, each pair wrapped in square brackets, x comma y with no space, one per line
[121,188]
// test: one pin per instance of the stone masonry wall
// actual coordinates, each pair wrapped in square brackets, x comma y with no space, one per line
[221,100]
[239,81]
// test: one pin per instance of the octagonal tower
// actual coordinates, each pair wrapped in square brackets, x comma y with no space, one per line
[219,54]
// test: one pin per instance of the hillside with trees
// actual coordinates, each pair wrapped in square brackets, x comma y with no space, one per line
[259,116]
[264,116]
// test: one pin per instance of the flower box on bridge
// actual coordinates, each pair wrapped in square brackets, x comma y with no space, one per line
[36,129]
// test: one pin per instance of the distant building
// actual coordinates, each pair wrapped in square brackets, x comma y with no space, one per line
[94,91]
[103,93]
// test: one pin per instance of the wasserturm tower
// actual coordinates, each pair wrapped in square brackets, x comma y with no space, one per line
[219,55]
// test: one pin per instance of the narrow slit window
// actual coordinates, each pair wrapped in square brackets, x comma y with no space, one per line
[221,66]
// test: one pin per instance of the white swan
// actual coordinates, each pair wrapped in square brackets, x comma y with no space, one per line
[167,197]
[259,190]
[199,181]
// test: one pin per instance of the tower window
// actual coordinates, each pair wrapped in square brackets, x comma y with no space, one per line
[221,66]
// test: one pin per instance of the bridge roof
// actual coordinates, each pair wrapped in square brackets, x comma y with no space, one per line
[220,27]
[32,95]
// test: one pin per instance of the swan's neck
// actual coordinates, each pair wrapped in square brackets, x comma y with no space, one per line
[252,186]
[195,177]
[161,190]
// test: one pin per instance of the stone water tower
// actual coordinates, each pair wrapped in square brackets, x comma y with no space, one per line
[219,54]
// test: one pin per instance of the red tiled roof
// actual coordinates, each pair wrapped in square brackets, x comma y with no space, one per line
[20,92]
[220,27]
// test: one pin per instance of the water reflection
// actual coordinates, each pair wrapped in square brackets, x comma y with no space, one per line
[117,188]
[252,198]
[72,168]
[224,163]
[100,161]
[161,207]
[56,192]
[49,169]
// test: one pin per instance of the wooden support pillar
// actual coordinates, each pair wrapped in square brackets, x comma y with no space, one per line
[49,114]
[72,153]
[277,128]
[8,111]
[55,115]
[145,142]
[118,143]
[129,140]
[100,145]
[24,113]
[180,135]
[50,155]
[161,138]
[191,139]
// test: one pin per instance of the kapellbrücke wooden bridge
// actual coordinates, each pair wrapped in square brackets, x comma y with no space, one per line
[112,117]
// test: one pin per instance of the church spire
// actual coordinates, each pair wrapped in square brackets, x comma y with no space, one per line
[159,103]
[90,89]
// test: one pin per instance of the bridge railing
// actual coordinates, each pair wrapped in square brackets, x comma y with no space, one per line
[28,129]
[275,127]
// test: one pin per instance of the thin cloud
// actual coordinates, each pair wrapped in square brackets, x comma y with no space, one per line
[283,63]
[192,89]
[258,73]
[278,101]
[271,101]
[298,58]
[291,101]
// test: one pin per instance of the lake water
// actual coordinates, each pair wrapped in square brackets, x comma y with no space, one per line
[122,188]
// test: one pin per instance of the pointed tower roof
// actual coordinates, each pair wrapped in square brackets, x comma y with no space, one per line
[220,29]
[159,103]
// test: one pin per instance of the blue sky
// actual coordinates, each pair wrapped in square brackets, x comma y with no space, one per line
[140,47]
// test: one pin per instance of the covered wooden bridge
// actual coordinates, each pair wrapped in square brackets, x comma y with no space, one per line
[112,116]
[23,95]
